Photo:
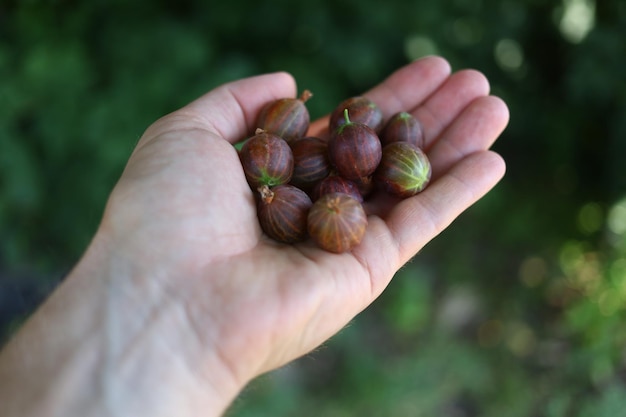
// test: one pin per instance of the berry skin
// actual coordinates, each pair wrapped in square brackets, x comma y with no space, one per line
[354,150]
[283,212]
[311,164]
[404,170]
[403,127]
[337,222]
[361,109]
[266,160]
[286,117]
[337,184]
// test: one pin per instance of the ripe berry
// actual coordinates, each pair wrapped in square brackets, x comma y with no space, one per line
[361,109]
[311,164]
[266,159]
[403,127]
[286,117]
[337,222]
[354,149]
[404,169]
[337,184]
[283,212]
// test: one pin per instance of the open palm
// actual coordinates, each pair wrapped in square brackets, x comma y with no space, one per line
[184,207]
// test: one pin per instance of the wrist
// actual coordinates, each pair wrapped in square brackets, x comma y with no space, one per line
[111,341]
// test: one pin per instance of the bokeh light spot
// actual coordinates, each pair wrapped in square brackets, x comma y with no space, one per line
[578,19]
[617,273]
[590,218]
[467,31]
[418,46]
[609,302]
[533,271]
[617,218]
[490,333]
[522,340]
[509,55]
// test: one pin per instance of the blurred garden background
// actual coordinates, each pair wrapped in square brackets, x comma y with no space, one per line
[518,309]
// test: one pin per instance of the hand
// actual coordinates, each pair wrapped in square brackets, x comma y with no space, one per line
[187,263]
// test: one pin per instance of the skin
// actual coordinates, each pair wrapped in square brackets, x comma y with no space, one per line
[179,300]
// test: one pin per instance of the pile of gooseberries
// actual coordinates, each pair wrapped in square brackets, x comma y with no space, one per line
[313,187]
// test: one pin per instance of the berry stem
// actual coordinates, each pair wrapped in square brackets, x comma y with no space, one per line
[267,195]
[306,94]
[333,205]
[345,115]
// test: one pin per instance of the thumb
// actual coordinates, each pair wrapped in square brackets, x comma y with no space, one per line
[231,109]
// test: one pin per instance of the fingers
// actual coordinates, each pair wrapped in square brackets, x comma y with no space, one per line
[463,171]
[416,221]
[427,89]
[412,223]
[231,109]
[409,86]
[403,90]
[475,129]
[450,99]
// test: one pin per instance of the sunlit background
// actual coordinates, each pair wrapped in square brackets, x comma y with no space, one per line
[518,309]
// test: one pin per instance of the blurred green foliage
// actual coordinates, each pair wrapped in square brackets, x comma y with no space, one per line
[518,309]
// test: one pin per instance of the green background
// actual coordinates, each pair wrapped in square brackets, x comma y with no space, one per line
[516,310]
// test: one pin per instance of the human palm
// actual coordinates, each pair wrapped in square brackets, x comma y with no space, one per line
[183,205]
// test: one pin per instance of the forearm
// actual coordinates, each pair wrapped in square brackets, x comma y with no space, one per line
[107,343]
